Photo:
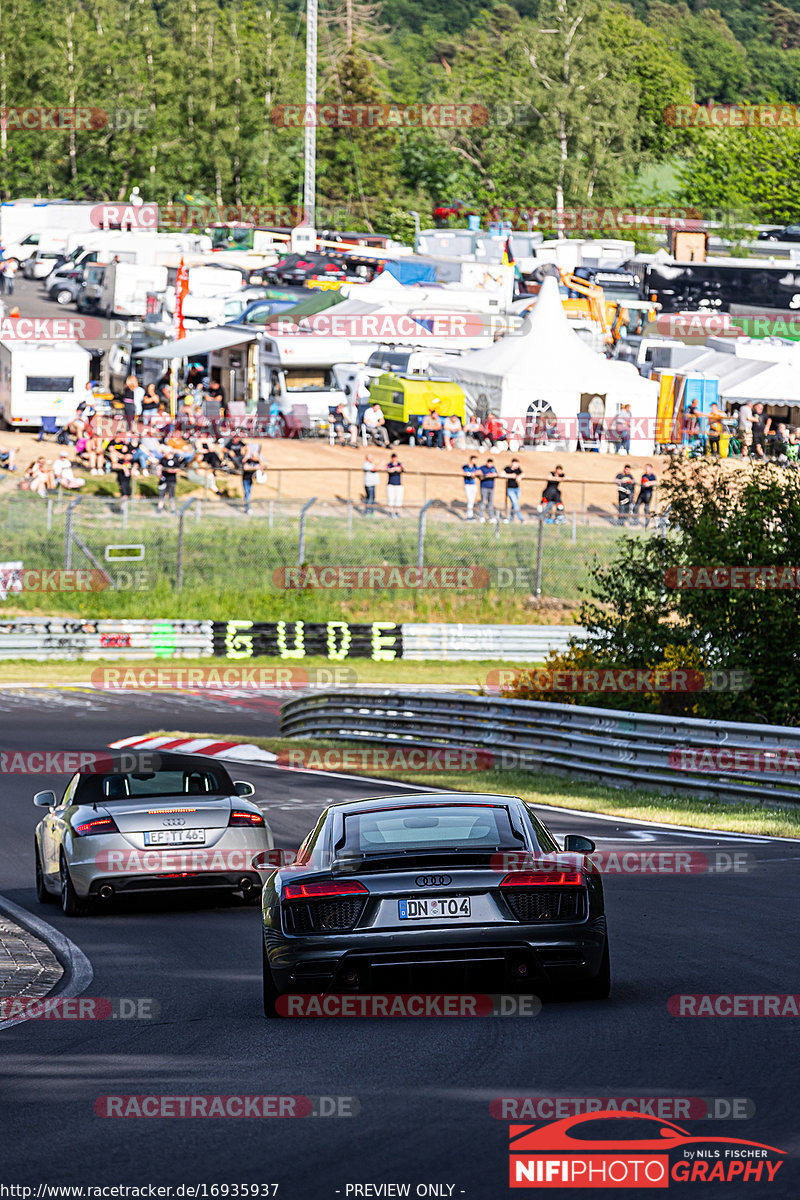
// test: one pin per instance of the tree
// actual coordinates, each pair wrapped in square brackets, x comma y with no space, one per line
[750,169]
[638,615]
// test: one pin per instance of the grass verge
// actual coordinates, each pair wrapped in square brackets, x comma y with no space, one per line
[365,670]
[557,791]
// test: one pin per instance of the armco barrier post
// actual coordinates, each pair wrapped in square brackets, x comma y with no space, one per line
[423,520]
[301,544]
[539,547]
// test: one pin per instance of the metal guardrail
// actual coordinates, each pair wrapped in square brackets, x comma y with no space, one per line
[68,638]
[623,749]
[509,643]
[45,638]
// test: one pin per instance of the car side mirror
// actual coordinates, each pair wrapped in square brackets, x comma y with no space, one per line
[242,788]
[577,844]
[45,800]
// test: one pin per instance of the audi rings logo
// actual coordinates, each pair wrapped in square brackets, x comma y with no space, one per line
[433,880]
[174,821]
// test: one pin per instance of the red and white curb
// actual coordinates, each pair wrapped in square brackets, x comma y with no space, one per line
[235,751]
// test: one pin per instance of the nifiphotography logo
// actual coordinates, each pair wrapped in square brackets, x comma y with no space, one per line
[612,1149]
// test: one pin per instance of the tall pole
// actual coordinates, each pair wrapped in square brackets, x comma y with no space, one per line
[309,179]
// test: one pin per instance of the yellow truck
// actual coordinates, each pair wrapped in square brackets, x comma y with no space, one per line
[404,400]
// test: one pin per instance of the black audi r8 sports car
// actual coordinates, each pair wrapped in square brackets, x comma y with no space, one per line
[430,892]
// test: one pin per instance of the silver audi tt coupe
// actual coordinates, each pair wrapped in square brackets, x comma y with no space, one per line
[160,823]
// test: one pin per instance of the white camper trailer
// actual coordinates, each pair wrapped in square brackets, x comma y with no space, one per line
[41,379]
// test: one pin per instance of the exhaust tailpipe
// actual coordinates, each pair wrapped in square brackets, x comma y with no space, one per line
[106,892]
[245,884]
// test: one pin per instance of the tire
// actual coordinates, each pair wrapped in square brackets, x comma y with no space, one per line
[72,905]
[42,894]
[270,991]
[598,988]
[63,296]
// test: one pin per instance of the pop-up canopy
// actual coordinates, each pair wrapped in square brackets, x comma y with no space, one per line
[545,366]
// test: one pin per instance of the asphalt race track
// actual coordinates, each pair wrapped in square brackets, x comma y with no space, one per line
[423,1086]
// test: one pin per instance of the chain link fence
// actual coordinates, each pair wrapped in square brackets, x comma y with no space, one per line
[214,543]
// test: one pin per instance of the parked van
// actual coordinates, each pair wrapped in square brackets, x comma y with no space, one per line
[41,379]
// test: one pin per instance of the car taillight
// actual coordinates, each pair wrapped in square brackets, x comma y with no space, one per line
[318,891]
[245,819]
[98,825]
[542,879]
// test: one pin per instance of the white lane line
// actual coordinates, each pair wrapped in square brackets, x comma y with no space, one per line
[77,968]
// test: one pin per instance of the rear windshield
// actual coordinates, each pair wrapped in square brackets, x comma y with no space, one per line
[201,780]
[431,828]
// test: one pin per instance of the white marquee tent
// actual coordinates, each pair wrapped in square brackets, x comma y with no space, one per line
[547,366]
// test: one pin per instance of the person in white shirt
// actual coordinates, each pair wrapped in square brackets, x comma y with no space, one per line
[746,419]
[63,473]
[370,483]
[375,423]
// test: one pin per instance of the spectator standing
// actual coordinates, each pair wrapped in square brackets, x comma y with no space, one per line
[169,468]
[622,429]
[715,428]
[513,474]
[626,486]
[394,489]
[645,497]
[746,419]
[471,472]
[552,493]
[762,425]
[370,483]
[250,464]
[122,464]
[149,403]
[128,402]
[10,272]
[488,476]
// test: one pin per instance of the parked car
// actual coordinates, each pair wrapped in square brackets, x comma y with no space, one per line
[64,283]
[40,264]
[781,233]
